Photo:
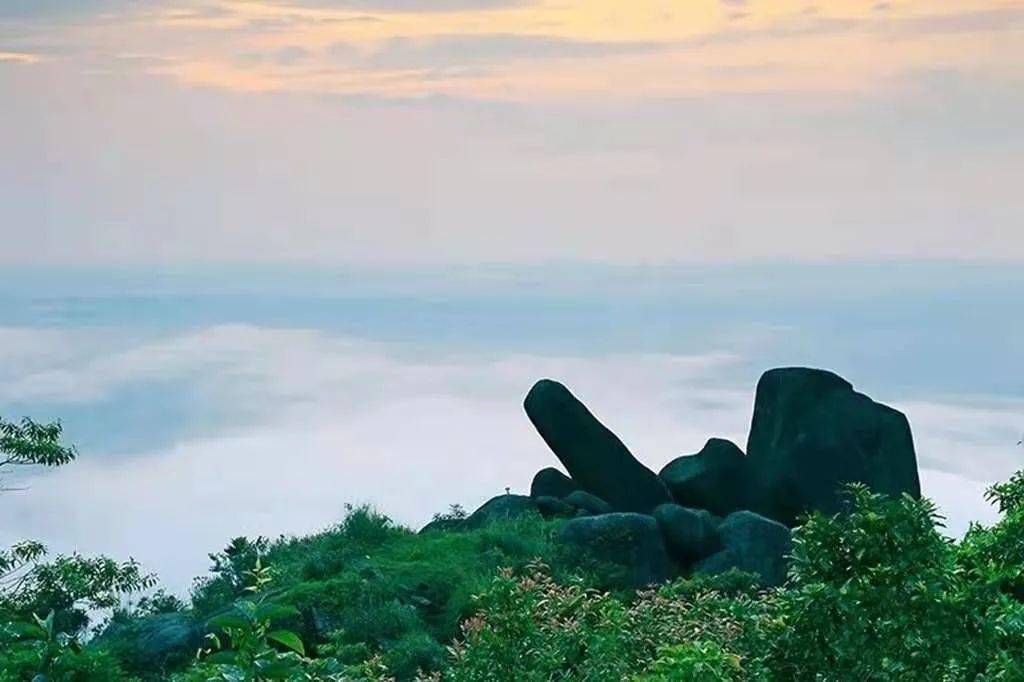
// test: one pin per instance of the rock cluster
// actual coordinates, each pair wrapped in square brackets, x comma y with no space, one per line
[718,509]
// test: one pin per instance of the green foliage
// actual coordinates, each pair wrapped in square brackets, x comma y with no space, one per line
[37,650]
[874,593]
[68,585]
[28,443]
[531,627]
[158,602]
[694,662]
[65,588]
[383,590]
[996,555]
[229,573]
[245,645]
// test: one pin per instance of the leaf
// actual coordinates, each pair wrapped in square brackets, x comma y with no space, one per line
[45,623]
[222,658]
[27,630]
[276,670]
[288,639]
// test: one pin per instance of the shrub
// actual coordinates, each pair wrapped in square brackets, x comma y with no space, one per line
[531,627]
[877,593]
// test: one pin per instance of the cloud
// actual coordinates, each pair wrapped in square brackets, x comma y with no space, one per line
[954,437]
[18,58]
[413,6]
[997,19]
[310,420]
[468,50]
[306,420]
[61,9]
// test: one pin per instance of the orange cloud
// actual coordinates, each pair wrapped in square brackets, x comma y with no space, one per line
[562,48]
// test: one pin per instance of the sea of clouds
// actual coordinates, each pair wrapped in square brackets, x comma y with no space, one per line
[275,429]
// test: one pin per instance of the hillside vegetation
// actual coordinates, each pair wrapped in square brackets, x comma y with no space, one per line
[763,565]
[875,593]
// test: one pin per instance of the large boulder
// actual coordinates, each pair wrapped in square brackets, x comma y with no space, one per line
[552,507]
[811,433]
[551,482]
[753,544]
[499,508]
[593,455]
[630,541]
[581,499]
[442,525]
[157,643]
[690,534]
[714,479]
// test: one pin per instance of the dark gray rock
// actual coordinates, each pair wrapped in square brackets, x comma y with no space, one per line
[551,482]
[631,541]
[714,479]
[499,508]
[551,507]
[443,525]
[753,544]
[811,433]
[155,643]
[581,499]
[690,534]
[594,456]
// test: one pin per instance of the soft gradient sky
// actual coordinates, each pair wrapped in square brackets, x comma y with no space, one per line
[265,258]
[510,130]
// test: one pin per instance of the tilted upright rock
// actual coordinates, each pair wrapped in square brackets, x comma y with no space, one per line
[594,456]
[811,433]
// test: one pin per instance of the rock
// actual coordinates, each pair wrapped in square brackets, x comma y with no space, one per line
[594,456]
[442,525]
[751,543]
[714,479]
[631,541]
[155,643]
[811,433]
[581,499]
[550,507]
[499,508]
[551,482]
[690,534]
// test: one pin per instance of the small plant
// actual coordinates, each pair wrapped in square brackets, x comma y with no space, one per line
[694,662]
[39,651]
[245,645]
[455,512]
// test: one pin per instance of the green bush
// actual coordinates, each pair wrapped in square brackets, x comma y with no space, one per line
[874,593]
[694,662]
[531,627]
[39,651]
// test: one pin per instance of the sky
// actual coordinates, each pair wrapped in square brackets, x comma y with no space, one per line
[267,258]
[154,131]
